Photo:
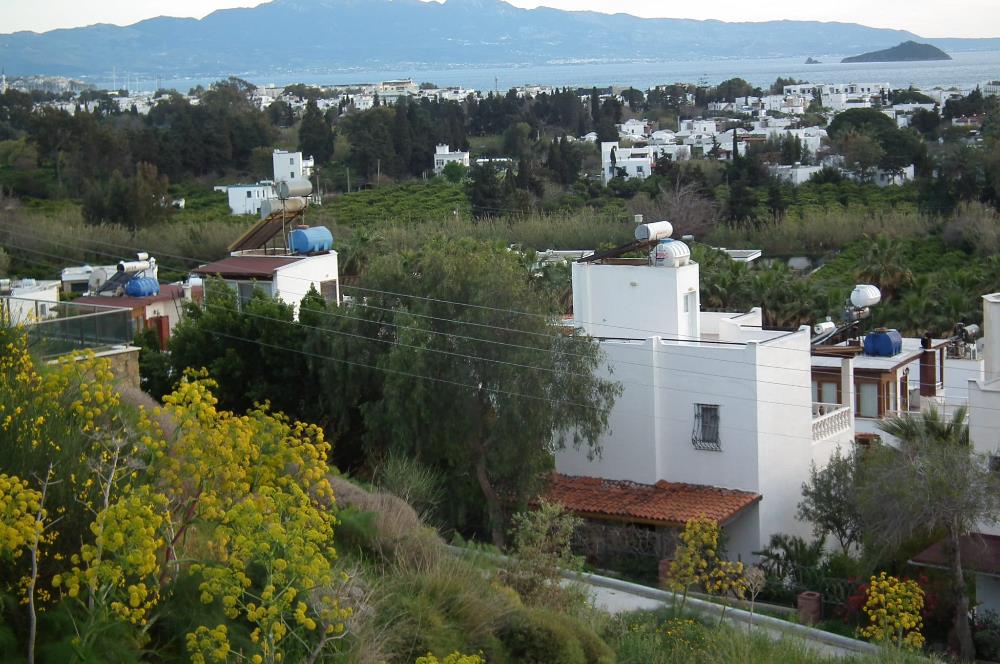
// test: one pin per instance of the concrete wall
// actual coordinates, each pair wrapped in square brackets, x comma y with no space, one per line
[292,282]
[784,429]
[636,301]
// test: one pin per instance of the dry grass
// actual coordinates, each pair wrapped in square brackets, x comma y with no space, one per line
[399,537]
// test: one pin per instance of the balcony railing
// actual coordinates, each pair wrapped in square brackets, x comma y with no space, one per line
[63,327]
[830,419]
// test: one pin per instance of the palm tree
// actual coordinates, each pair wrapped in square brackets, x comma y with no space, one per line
[883,264]
[934,482]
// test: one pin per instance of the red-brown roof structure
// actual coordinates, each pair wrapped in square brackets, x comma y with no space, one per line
[246,267]
[980,553]
[663,503]
[167,292]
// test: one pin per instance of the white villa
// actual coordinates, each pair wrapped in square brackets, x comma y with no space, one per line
[717,417]
[444,155]
[625,162]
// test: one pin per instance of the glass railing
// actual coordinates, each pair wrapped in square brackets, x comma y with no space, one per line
[56,328]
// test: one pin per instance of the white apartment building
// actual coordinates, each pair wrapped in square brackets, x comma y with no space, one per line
[990,89]
[443,155]
[698,126]
[629,163]
[716,412]
[291,166]
[795,174]
[634,129]
[247,198]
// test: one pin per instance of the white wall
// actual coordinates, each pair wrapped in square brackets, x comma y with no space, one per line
[247,199]
[784,426]
[987,592]
[636,301]
[292,282]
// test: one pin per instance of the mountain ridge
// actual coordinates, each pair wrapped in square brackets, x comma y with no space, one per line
[306,35]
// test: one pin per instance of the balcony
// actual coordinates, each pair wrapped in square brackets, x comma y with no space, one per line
[830,419]
[57,328]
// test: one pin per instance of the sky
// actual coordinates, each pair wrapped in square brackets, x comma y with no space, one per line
[928,18]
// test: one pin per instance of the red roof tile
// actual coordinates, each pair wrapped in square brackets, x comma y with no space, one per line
[248,267]
[980,553]
[664,503]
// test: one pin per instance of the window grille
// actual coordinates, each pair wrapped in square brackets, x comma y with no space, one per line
[706,428]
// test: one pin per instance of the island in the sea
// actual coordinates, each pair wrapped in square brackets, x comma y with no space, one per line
[812,61]
[908,51]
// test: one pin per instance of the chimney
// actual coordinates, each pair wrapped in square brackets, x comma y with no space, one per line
[187,291]
[928,368]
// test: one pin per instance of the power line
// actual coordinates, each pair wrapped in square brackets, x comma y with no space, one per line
[544,335]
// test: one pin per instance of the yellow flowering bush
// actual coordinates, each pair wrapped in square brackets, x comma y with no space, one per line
[138,498]
[893,608]
[19,507]
[453,658]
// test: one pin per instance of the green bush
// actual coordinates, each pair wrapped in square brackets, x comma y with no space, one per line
[539,636]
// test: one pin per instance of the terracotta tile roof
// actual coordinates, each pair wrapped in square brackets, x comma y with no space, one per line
[249,267]
[980,553]
[664,503]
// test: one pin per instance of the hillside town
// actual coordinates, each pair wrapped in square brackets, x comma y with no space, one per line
[394,372]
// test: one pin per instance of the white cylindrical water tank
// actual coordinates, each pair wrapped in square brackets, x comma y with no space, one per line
[671,253]
[659,230]
[133,266]
[865,295]
[824,327]
[294,187]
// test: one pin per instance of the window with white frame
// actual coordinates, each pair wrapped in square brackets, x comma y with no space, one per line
[706,428]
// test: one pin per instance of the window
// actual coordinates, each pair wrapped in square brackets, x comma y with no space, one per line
[867,405]
[706,428]
[292,175]
[291,161]
[249,193]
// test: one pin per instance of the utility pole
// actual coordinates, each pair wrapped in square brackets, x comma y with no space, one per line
[348,179]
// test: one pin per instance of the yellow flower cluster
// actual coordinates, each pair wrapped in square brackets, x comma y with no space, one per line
[209,645]
[19,523]
[453,658]
[122,562]
[725,578]
[695,555]
[893,608]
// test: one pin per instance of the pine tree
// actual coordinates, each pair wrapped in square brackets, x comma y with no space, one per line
[315,135]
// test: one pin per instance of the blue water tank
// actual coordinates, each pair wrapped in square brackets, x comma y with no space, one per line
[311,240]
[883,343]
[142,287]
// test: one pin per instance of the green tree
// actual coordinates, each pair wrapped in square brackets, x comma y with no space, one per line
[861,152]
[472,389]
[884,265]
[935,483]
[224,335]
[454,172]
[828,501]
[315,135]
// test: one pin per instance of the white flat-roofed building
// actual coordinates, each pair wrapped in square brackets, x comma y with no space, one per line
[714,407]
[444,155]
[629,163]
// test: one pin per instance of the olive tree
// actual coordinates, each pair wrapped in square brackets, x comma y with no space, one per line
[934,483]
[449,355]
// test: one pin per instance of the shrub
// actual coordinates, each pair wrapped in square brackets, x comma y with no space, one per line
[542,550]
[540,636]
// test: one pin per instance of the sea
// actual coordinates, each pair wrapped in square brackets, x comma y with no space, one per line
[964,72]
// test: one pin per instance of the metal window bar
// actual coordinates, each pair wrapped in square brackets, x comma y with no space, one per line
[706,428]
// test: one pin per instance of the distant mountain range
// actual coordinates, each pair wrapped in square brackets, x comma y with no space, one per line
[316,35]
[908,51]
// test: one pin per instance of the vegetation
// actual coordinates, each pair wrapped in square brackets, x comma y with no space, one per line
[935,483]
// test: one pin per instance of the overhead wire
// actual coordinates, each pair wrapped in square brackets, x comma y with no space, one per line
[520,331]
[328,331]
